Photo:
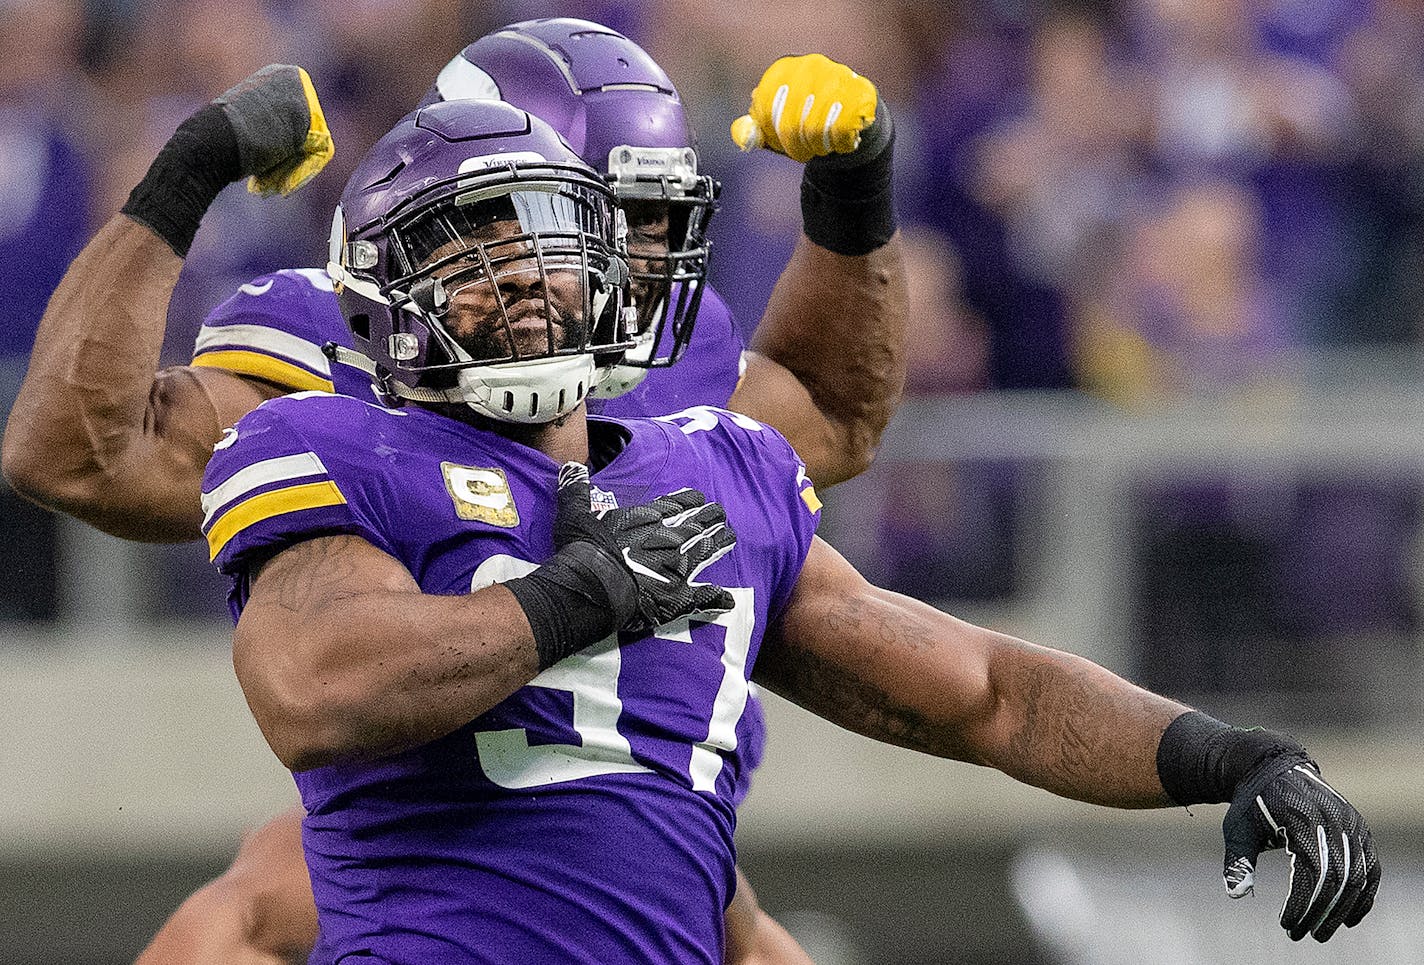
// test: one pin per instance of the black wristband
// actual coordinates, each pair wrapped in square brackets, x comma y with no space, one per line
[199,160]
[1200,760]
[848,200]
[578,597]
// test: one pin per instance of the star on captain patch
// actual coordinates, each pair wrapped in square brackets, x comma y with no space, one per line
[482,495]
[601,500]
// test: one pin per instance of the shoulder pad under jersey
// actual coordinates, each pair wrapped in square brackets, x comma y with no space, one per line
[762,484]
[292,469]
[273,328]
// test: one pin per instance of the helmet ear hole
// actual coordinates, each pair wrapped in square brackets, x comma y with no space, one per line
[361,326]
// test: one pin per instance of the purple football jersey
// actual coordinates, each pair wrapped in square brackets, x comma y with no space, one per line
[588,817]
[274,328]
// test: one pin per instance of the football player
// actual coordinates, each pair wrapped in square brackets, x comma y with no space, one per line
[122,465]
[510,704]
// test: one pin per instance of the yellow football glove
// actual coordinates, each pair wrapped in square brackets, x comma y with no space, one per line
[282,136]
[807,106]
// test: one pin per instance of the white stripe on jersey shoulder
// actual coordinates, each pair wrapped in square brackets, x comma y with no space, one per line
[315,277]
[700,418]
[258,474]
[323,394]
[268,341]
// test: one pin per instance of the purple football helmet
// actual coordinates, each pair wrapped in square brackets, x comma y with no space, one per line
[479,261]
[617,108]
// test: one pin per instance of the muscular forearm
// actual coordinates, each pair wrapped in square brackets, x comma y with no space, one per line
[85,395]
[1068,725]
[96,432]
[383,672]
[836,319]
[900,671]
[837,323]
[368,665]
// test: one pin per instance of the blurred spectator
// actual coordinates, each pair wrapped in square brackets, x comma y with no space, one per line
[46,192]
[972,87]
[1185,310]
[1382,298]
[948,342]
[1057,174]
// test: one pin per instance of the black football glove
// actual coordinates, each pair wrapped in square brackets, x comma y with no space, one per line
[282,136]
[1334,872]
[269,129]
[621,569]
[662,545]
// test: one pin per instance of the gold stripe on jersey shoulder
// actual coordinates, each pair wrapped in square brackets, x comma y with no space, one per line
[809,497]
[257,365]
[275,503]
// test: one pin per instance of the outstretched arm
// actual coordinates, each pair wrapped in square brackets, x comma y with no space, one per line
[897,670]
[96,431]
[258,912]
[828,360]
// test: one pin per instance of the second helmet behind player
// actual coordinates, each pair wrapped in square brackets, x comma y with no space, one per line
[479,261]
[617,108]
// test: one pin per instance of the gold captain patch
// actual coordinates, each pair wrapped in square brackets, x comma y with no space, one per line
[482,495]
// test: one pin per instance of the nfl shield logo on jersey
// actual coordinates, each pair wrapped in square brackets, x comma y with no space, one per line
[600,500]
[482,495]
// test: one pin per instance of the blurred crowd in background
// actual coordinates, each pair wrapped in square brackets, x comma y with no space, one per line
[1141,200]
[1137,198]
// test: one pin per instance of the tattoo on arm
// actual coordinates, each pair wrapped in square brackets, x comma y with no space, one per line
[1058,708]
[317,572]
[1083,731]
[896,671]
[841,691]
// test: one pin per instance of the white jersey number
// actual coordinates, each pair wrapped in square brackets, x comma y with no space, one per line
[591,675]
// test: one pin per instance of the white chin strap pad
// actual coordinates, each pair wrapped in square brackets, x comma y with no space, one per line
[616,380]
[540,390]
[620,379]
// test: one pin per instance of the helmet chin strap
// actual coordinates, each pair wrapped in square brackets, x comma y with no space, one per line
[618,380]
[532,392]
